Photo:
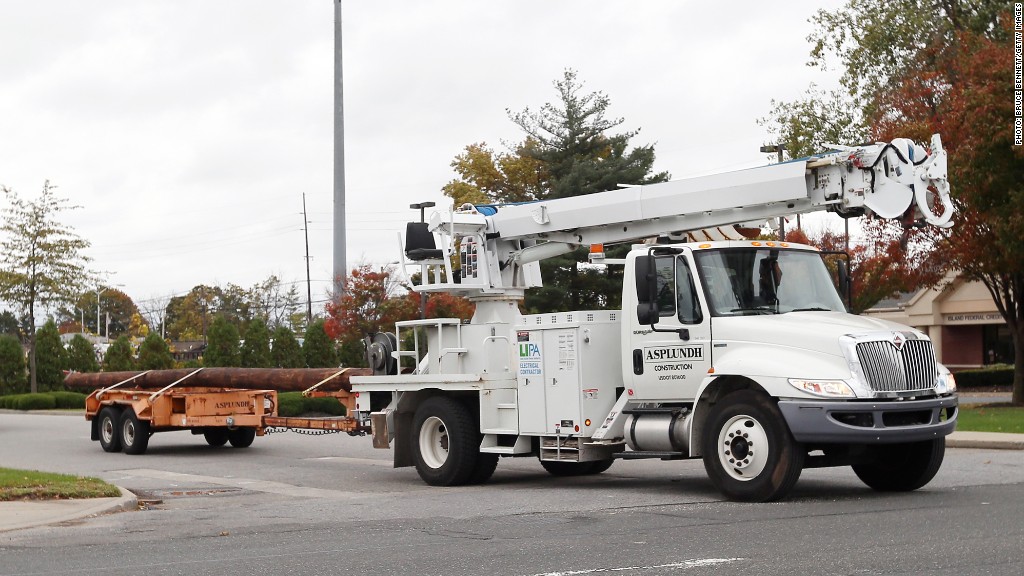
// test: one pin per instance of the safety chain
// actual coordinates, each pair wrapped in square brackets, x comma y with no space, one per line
[278,430]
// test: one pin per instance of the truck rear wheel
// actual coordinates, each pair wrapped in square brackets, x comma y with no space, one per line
[216,436]
[445,444]
[110,429]
[241,437]
[901,467]
[134,433]
[749,453]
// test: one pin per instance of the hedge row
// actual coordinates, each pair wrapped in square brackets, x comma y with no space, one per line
[44,401]
[995,375]
[294,404]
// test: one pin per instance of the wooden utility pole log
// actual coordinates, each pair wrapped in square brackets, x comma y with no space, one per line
[280,379]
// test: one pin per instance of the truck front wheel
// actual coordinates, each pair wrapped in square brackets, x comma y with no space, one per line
[445,443]
[749,453]
[901,467]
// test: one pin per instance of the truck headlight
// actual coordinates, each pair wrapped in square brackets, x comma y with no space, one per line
[826,388]
[945,383]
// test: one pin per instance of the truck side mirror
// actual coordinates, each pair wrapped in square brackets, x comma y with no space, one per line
[845,282]
[646,290]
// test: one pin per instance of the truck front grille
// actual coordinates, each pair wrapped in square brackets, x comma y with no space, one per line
[889,369]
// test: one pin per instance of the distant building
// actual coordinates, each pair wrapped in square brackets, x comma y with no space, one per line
[961,319]
[187,350]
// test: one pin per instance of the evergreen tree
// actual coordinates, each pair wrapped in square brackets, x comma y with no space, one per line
[286,352]
[12,365]
[81,355]
[256,349]
[317,348]
[569,150]
[119,356]
[51,357]
[222,344]
[154,354]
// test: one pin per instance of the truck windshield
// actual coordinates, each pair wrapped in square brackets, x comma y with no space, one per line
[744,281]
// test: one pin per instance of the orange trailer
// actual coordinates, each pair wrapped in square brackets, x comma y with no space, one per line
[124,416]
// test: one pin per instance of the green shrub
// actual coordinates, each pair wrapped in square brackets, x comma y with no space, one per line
[69,400]
[294,404]
[35,402]
[289,404]
[323,405]
[997,375]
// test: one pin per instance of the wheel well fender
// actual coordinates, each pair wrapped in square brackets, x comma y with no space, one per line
[712,390]
[405,411]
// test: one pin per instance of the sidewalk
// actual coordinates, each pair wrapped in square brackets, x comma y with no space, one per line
[32,513]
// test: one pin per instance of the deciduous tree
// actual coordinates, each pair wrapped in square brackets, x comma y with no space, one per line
[42,263]
[913,69]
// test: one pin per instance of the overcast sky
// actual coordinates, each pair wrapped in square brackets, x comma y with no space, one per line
[188,130]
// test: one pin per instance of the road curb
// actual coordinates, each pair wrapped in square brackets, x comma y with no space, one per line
[985,440]
[30,514]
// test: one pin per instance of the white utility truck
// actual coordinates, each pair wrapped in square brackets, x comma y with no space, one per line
[737,351]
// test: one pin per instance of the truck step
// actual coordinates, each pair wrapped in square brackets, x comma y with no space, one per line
[637,455]
[654,410]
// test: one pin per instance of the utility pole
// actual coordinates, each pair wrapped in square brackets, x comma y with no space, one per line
[309,289]
[340,265]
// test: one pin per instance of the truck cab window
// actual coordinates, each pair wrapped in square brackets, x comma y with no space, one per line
[665,270]
[686,296]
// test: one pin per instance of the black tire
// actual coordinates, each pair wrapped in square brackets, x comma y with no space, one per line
[445,443]
[134,433]
[571,468]
[109,426]
[216,436]
[241,437]
[901,467]
[601,465]
[485,466]
[749,453]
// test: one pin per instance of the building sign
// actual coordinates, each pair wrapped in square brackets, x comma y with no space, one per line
[973,318]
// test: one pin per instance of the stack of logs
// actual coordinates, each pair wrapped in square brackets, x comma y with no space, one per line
[280,379]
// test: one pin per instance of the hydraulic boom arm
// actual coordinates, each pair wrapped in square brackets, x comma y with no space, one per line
[498,247]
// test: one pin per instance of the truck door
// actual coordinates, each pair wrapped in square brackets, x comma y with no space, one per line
[670,360]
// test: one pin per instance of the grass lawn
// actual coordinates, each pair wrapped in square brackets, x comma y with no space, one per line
[991,418]
[32,485]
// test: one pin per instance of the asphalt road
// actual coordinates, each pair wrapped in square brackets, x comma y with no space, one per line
[295,504]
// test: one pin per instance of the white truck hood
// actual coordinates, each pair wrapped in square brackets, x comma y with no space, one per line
[812,331]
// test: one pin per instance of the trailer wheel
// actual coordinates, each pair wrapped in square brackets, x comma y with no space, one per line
[445,444]
[109,428]
[485,467]
[216,436]
[902,467]
[134,433]
[749,453]
[241,437]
